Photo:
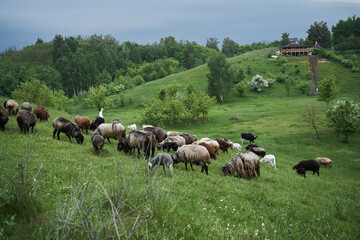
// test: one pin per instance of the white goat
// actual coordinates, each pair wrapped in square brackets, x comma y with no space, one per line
[101,113]
[270,159]
[237,146]
[132,126]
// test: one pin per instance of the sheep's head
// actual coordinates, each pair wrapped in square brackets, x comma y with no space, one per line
[123,145]
[174,158]
[301,172]
[79,138]
[226,169]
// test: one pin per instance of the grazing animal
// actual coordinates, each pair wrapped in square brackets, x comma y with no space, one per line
[208,147]
[223,145]
[83,123]
[237,146]
[111,130]
[98,143]
[213,143]
[257,150]
[248,136]
[324,161]
[26,120]
[145,126]
[189,138]
[307,165]
[96,123]
[172,133]
[26,106]
[101,113]
[162,159]
[140,140]
[159,133]
[11,106]
[4,117]
[270,159]
[41,113]
[70,129]
[167,143]
[193,154]
[242,164]
[132,127]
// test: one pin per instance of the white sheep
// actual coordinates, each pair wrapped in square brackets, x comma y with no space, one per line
[145,126]
[270,159]
[132,127]
[324,161]
[237,146]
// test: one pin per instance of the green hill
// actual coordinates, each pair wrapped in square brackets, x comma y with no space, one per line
[73,193]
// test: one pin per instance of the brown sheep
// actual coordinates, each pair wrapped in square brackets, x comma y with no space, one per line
[4,117]
[208,147]
[41,113]
[324,161]
[11,106]
[223,145]
[26,120]
[243,164]
[83,122]
[159,133]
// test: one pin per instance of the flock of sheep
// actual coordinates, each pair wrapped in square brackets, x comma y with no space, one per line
[187,148]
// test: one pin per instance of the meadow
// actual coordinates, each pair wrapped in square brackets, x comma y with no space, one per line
[63,190]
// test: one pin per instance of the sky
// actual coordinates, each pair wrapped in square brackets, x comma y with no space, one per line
[22,22]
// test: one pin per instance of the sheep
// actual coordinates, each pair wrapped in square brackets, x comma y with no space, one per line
[324,161]
[96,123]
[70,129]
[214,144]
[83,122]
[26,120]
[142,140]
[307,165]
[193,154]
[243,164]
[248,136]
[167,143]
[189,138]
[237,146]
[98,143]
[172,133]
[101,113]
[164,160]
[110,130]
[12,107]
[257,150]
[145,126]
[41,113]
[210,150]
[159,133]
[132,127]
[4,117]
[270,159]
[223,145]
[26,106]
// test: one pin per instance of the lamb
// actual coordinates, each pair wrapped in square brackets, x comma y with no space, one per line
[83,122]
[307,165]
[324,161]
[98,143]
[41,113]
[159,133]
[96,123]
[26,120]
[167,143]
[237,146]
[142,140]
[270,159]
[243,164]
[193,154]
[61,124]
[208,147]
[257,150]
[26,106]
[11,106]
[132,127]
[109,130]
[248,136]
[4,117]
[164,160]
[214,144]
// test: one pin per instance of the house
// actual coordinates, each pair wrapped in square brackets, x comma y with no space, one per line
[296,49]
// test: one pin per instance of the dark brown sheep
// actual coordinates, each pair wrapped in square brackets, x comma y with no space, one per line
[96,123]
[159,133]
[61,124]
[307,165]
[223,145]
[26,120]
[41,113]
[4,117]
[83,123]
[210,150]
[11,106]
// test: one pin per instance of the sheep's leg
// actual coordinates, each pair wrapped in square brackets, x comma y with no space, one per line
[58,135]
[191,166]
[171,170]
[164,170]
[206,169]
[108,140]
[186,166]
[153,151]
[69,137]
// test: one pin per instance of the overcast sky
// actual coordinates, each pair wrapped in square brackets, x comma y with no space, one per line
[146,21]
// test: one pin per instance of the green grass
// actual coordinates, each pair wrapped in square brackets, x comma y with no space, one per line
[277,205]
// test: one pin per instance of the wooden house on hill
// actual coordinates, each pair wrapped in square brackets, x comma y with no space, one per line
[296,49]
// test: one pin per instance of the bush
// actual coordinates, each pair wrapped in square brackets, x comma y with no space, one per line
[304,87]
[281,78]
[241,88]
[258,83]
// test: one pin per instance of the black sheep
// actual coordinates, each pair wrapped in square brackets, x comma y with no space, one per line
[307,165]
[248,136]
[96,122]
[61,124]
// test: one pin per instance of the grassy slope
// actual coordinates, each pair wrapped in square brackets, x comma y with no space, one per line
[277,205]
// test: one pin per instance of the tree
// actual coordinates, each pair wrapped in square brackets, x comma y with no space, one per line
[310,116]
[97,96]
[346,34]
[285,39]
[221,77]
[320,33]
[212,43]
[344,116]
[327,90]
[229,47]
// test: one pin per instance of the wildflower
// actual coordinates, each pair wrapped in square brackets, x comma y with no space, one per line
[225,206]
[233,209]
[275,231]
[263,224]
[204,208]
[221,200]
[188,226]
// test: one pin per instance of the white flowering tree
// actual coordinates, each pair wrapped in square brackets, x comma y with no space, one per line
[258,83]
[345,117]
